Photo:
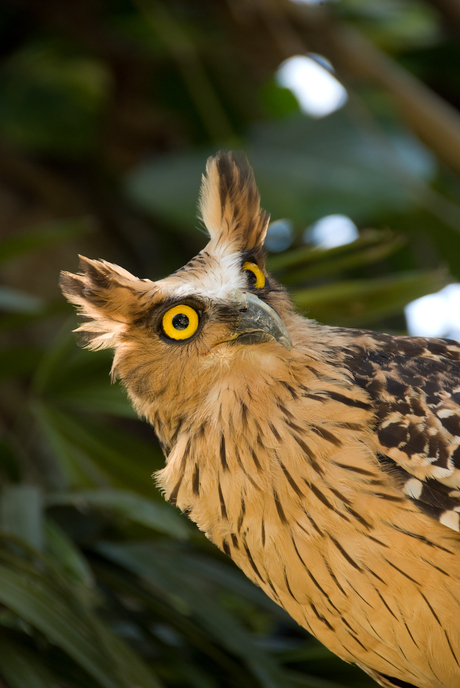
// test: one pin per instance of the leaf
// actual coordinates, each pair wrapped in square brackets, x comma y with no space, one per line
[157,185]
[434,240]
[18,361]
[306,653]
[57,611]
[152,564]
[298,680]
[14,320]
[76,468]
[94,453]
[79,380]
[50,98]
[21,513]
[127,587]
[305,170]
[216,572]
[22,668]
[355,302]
[42,236]
[10,463]
[159,516]
[304,255]
[313,263]
[16,301]
[55,359]
[96,398]
[62,549]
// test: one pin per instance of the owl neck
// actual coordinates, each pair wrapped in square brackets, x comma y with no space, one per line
[256,425]
[230,398]
[276,466]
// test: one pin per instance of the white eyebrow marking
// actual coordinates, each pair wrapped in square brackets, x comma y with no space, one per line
[214,280]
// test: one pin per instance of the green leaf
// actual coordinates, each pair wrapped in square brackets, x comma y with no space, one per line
[306,255]
[159,516]
[22,668]
[277,100]
[78,380]
[217,572]
[57,611]
[306,653]
[21,513]
[50,98]
[76,468]
[298,680]
[10,463]
[93,396]
[42,236]
[93,453]
[14,320]
[305,169]
[312,263]
[63,550]
[18,361]
[154,565]
[16,301]
[96,397]
[55,360]
[129,588]
[355,302]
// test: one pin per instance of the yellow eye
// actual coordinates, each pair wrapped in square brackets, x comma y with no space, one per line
[258,274]
[180,322]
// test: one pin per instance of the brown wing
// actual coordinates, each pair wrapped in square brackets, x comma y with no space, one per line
[415,387]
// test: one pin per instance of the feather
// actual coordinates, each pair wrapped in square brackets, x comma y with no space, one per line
[328,471]
[230,204]
[414,383]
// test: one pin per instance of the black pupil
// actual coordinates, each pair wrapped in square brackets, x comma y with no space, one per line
[180,321]
[251,277]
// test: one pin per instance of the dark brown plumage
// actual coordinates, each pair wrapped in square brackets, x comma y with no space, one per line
[324,461]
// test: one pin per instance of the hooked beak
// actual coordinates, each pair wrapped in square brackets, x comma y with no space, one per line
[259,323]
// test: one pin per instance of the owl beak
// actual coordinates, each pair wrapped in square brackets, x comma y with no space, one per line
[259,323]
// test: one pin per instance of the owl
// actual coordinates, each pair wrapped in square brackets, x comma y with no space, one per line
[324,461]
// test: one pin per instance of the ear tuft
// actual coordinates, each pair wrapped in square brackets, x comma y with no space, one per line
[99,273]
[230,203]
[108,298]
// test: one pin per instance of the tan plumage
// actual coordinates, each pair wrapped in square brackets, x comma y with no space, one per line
[328,469]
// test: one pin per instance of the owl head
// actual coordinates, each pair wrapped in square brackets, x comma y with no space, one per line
[221,314]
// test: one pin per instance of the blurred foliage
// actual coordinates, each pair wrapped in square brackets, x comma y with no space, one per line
[108,110]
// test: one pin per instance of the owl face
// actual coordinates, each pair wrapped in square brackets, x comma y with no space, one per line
[172,337]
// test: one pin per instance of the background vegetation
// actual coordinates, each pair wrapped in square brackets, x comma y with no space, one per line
[108,110]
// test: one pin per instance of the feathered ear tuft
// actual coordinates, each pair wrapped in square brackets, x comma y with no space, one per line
[230,203]
[108,297]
